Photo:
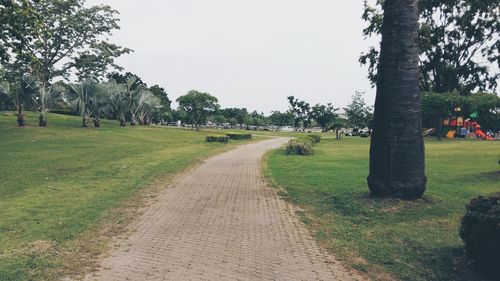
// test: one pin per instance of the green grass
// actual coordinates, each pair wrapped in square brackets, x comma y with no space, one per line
[57,182]
[409,240]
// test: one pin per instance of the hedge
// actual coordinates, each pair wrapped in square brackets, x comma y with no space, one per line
[480,232]
[301,146]
[222,139]
[239,136]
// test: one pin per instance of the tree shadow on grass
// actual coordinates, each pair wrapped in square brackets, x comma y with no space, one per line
[452,264]
[493,176]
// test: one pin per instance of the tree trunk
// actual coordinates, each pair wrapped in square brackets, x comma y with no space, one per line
[42,121]
[123,123]
[397,166]
[21,122]
[97,123]
[85,122]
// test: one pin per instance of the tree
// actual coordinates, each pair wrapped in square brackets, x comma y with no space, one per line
[337,125]
[89,98]
[301,111]
[149,106]
[119,102]
[281,119]
[235,115]
[21,93]
[45,98]
[487,108]
[164,101]
[458,41]
[397,166]
[358,113]
[54,39]
[324,115]
[197,107]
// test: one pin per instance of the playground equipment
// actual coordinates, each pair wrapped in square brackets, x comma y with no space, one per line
[463,128]
[482,134]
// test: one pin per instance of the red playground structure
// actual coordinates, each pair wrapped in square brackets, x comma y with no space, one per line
[467,127]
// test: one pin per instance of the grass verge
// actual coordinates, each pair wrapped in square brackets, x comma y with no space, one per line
[409,240]
[63,189]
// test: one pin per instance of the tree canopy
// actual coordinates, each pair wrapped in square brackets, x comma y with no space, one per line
[459,44]
[53,38]
[197,107]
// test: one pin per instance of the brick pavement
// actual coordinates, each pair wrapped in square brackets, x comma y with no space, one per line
[221,222]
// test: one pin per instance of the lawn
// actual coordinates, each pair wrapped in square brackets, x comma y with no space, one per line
[58,182]
[408,240]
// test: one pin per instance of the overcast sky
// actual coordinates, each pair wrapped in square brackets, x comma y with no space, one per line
[249,54]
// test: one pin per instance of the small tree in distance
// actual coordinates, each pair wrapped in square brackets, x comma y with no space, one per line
[359,115]
[197,106]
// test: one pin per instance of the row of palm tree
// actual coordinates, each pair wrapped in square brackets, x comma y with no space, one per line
[89,99]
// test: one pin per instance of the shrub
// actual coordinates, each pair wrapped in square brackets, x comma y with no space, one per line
[222,139]
[480,232]
[239,136]
[302,146]
[315,138]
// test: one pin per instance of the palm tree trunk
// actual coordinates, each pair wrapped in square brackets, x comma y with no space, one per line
[85,122]
[397,164]
[42,121]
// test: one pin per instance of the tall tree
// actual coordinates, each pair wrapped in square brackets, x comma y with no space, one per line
[302,112]
[397,166]
[54,39]
[459,44]
[197,106]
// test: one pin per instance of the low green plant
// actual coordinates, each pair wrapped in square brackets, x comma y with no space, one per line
[221,139]
[300,146]
[480,232]
[315,138]
[239,136]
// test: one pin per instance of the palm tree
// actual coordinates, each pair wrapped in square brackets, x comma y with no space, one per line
[45,98]
[397,167]
[136,96]
[150,104]
[119,102]
[89,98]
[21,93]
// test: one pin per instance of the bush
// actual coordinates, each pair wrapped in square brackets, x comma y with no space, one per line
[302,146]
[314,138]
[222,139]
[480,232]
[239,136]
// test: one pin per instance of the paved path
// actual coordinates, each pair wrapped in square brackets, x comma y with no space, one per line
[221,222]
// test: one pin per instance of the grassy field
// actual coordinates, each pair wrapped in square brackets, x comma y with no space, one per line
[409,240]
[58,182]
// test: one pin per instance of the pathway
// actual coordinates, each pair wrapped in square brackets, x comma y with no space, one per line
[221,222]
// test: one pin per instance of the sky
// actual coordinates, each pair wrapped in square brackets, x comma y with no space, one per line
[251,54]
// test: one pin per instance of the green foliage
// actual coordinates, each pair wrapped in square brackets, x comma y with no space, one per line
[314,137]
[301,111]
[300,146]
[221,139]
[437,107]
[457,37]
[417,240]
[197,106]
[239,136]
[281,119]
[53,38]
[359,115]
[324,115]
[480,232]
